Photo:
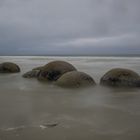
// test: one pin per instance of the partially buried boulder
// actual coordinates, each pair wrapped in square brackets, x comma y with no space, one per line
[75,79]
[8,67]
[53,70]
[31,74]
[120,77]
[34,73]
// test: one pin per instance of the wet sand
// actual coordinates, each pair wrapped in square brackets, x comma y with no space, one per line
[30,109]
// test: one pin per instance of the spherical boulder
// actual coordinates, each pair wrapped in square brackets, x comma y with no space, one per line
[120,77]
[8,67]
[75,79]
[53,70]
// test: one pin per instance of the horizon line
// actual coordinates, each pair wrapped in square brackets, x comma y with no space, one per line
[92,55]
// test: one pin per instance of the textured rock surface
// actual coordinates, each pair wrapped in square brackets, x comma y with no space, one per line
[53,70]
[121,77]
[34,73]
[75,79]
[31,74]
[9,67]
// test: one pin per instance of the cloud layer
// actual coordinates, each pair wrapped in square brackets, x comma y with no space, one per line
[30,27]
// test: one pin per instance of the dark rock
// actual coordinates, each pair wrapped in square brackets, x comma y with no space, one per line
[75,79]
[53,70]
[34,73]
[9,67]
[121,77]
[31,74]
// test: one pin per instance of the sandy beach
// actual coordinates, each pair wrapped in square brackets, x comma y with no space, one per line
[30,109]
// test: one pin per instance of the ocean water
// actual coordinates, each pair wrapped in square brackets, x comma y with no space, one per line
[33,110]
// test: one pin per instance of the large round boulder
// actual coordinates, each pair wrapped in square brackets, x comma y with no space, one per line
[8,67]
[75,79]
[34,73]
[53,70]
[121,77]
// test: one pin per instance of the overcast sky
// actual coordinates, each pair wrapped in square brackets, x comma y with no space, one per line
[30,27]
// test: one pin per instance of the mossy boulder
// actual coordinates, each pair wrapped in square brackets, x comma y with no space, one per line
[75,79]
[8,67]
[53,70]
[121,77]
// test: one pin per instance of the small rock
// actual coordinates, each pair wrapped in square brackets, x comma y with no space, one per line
[8,67]
[31,74]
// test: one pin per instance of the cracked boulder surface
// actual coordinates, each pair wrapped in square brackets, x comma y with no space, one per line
[34,73]
[55,69]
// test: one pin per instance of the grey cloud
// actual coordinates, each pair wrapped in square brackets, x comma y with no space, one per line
[69,26]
